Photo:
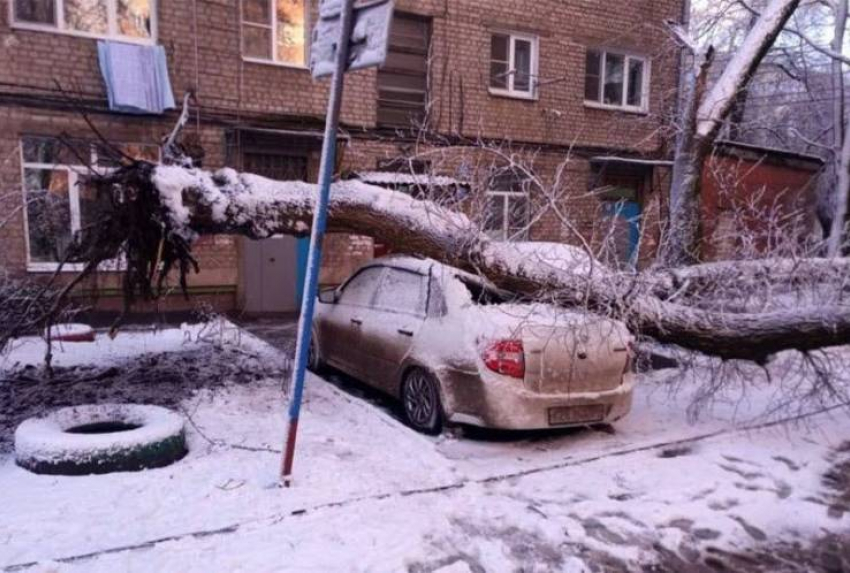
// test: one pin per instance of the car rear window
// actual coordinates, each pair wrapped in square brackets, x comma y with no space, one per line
[484,294]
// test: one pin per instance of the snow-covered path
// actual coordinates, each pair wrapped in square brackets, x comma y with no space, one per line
[373,496]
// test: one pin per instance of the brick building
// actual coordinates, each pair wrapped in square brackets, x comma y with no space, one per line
[582,84]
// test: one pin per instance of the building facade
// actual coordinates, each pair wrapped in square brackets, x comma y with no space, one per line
[581,90]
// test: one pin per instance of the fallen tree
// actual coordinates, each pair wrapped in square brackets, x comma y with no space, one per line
[157,212]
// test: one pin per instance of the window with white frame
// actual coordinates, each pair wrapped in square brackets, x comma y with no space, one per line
[513,64]
[59,201]
[508,209]
[276,31]
[129,20]
[616,80]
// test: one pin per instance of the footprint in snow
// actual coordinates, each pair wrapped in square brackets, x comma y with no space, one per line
[794,467]
[751,530]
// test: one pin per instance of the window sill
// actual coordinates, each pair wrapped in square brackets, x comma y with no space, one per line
[77,34]
[512,95]
[275,64]
[623,109]
[45,268]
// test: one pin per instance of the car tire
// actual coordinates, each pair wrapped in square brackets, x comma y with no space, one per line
[99,439]
[420,396]
[314,359]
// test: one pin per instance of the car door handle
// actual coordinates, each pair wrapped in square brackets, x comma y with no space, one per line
[357,321]
[405,332]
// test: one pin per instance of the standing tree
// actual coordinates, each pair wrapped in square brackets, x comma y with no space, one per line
[703,113]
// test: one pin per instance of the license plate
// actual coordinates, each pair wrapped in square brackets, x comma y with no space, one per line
[563,415]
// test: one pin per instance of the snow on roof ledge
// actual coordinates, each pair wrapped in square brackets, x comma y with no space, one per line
[630,160]
[391,178]
[727,145]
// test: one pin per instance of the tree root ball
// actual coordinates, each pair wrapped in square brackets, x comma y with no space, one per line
[99,439]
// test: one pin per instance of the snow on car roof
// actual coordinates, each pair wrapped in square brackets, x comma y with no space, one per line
[521,256]
[421,265]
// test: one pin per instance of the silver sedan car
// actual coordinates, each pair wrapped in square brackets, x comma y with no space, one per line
[453,348]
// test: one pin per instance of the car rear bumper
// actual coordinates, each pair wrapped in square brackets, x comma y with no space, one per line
[506,404]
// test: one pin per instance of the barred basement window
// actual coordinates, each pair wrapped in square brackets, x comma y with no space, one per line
[126,20]
[276,31]
[616,81]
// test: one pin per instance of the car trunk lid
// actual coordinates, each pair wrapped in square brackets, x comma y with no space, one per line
[588,356]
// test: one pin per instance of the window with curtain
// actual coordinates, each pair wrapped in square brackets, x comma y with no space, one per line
[276,31]
[616,80]
[124,20]
[513,65]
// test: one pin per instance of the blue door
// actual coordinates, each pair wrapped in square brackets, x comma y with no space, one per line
[624,216]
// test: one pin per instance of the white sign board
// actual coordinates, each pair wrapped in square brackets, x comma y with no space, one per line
[369,41]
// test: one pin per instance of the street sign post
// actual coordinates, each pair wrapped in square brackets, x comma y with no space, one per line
[346,38]
[368,40]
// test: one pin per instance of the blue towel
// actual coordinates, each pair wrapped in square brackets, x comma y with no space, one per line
[136,77]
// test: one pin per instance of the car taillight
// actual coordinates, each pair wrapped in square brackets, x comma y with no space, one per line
[505,357]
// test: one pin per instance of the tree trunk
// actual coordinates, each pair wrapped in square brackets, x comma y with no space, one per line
[711,111]
[841,157]
[680,244]
[163,209]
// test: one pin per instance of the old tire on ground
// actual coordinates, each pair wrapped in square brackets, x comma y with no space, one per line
[420,397]
[99,439]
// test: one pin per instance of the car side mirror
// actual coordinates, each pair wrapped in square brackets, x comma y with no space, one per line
[328,296]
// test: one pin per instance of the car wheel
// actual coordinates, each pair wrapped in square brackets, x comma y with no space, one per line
[420,397]
[314,362]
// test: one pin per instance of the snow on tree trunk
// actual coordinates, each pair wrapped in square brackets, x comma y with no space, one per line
[719,101]
[841,194]
[171,204]
[683,227]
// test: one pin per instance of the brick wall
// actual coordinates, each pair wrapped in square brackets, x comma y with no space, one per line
[209,63]
[216,255]
[204,57]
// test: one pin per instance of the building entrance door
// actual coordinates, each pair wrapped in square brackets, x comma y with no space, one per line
[273,269]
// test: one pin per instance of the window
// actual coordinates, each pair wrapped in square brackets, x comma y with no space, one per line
[508,208]
[127,20]
[513,65]
[276,31]
[402,291]
[361,288]
[616,80]
[403,81]
[59,202]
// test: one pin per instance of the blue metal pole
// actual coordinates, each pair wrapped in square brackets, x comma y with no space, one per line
[314,259]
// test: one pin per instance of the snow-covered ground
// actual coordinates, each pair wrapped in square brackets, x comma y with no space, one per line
[371,495]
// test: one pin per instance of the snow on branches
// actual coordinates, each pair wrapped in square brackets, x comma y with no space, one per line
[163,209]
